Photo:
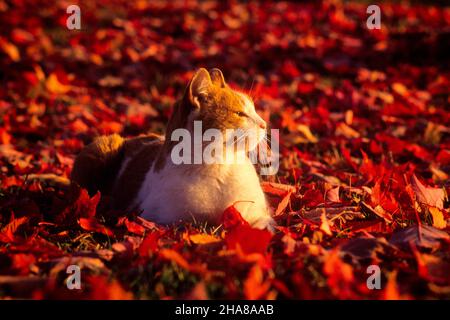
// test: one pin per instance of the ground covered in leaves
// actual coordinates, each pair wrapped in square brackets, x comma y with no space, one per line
[364,132]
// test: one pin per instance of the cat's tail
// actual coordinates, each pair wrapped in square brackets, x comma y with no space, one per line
[98,163]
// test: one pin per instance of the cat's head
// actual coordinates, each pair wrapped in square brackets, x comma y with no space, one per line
[210,100]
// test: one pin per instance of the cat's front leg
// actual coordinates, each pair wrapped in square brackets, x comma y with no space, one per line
[256,214]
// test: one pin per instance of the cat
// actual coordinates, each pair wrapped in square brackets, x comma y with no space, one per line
[139,174]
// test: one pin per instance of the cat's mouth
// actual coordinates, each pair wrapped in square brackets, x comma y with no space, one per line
[244,140]
[226,146]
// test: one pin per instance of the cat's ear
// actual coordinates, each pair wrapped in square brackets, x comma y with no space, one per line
[217,77]
[200,84]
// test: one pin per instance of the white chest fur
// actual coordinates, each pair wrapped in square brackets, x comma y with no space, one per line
[203,192]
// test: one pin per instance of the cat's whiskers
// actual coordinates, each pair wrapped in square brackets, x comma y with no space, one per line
[251,88]
[266,145]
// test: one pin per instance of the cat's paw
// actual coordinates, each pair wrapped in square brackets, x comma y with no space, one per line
[265,222]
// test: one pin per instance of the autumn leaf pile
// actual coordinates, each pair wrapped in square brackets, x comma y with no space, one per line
[364,138]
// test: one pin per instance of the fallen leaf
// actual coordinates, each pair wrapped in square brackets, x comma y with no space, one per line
[177,258]
[231,217]
[438,218]
[426,195]
[332,195]
[134,227]
[426,237]
[54,86]
[255,287]
[304,129]
[250,240]
[277,189]
[7,233]
[103,288]
[324,224]
[10,49]
[149,245]
[202,238]
[283,204]
[391,291]
[91,224]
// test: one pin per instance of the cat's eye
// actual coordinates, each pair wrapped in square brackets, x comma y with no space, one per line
[241,114]
[202,97]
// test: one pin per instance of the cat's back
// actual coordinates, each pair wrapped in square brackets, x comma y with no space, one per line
[139,155]
[116,166]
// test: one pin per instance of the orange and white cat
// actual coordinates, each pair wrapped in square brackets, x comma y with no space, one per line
[139,174]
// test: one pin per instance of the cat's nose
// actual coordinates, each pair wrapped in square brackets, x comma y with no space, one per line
[259,121]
